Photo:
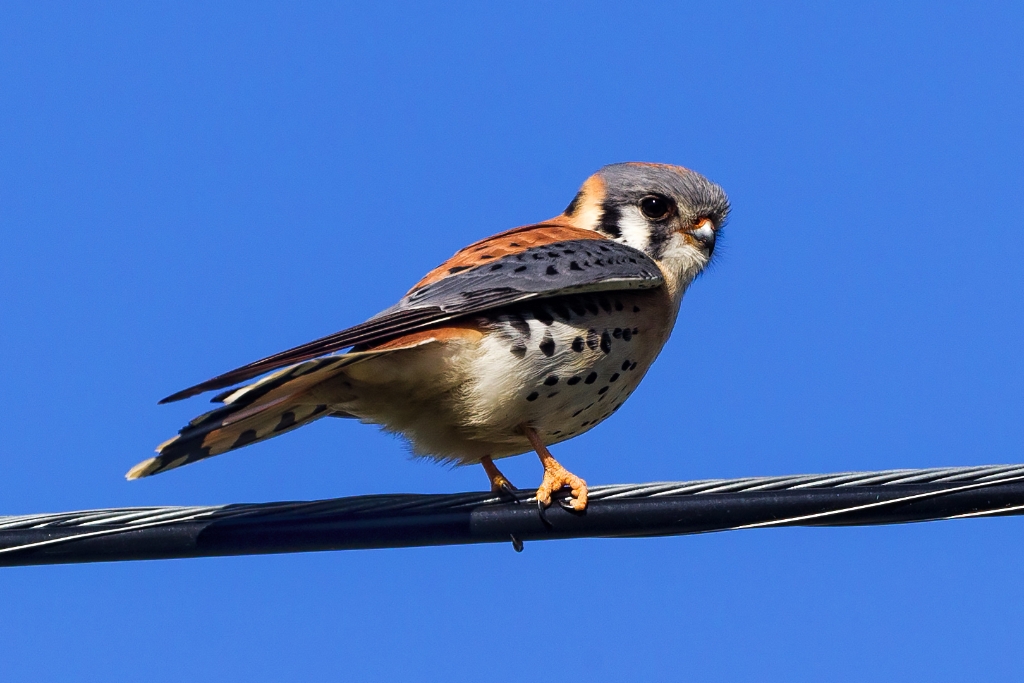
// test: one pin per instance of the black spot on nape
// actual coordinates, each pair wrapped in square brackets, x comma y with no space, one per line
[542,315]
[457,269]
[574,205]
[533,396]
[551,381]
[547,346]
[561,310]
[606,342]
[592,339]
[245,438]
[618,305]
[591,378]
[626,334]
[574,266]
[573,380]
[636,309]
[286,421]
[605,304]
[519,269]
[602,390]
[551,270]
[625,364]
[577,344]
[518,350]
[496,266]
[617,332]
[609,223]
[613,377]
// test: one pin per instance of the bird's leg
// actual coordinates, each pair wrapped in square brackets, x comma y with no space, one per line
[499,483]
[556,476]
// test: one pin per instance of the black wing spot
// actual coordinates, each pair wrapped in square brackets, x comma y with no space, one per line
[602,390]
[553,394]
[577,344]
[551,381]
[617,332]
[547,347]
[533,396]
[626,334]
[633,366]
[561,310]
[519,351]
[514,244]
[577,307]
[613,377]
[606,342]
[574,266]
[554,254]
[496,266]
[592,307]
[519,269]
[592,339]
[537,256]
[457,269]
[591,378]
[625,364]
[573,380]
[486,256]
[551,270]
[605,304]
[618,305]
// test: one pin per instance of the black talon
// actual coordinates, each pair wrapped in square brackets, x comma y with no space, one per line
[517,545]
[507,491]
[543,517]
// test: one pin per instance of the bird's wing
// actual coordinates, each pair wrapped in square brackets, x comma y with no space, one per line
[534,262]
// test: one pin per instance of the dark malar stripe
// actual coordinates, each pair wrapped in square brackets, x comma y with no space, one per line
[609,223]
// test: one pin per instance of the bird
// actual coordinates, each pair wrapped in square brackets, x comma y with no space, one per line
[519,341]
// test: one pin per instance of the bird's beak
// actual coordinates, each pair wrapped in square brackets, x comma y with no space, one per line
[703,234]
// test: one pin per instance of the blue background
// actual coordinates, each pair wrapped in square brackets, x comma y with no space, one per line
[184,189]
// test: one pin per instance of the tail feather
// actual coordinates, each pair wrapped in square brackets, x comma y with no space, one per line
[264,409]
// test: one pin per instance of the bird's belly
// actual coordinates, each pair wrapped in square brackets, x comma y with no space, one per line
[560,366]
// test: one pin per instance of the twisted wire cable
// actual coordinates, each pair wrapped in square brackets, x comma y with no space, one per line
[623,510]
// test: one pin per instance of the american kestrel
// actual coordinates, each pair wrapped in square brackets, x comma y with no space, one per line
[519,341]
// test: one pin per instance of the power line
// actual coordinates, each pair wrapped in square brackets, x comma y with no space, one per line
[403,520]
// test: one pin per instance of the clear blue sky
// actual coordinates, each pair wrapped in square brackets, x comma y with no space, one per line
[186,188]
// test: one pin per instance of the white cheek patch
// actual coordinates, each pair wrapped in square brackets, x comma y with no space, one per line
[636,232]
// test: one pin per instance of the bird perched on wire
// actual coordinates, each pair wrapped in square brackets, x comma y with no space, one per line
[519,341]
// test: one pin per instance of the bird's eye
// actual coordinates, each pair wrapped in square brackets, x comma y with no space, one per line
[656,207]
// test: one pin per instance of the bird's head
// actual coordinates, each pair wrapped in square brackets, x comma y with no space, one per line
[670,213]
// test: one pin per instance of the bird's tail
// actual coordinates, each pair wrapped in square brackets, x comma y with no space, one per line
[276,404]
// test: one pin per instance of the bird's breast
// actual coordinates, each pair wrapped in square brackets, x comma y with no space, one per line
[561,365]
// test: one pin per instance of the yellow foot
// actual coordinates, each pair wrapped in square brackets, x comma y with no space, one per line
[499,483]
[556,476]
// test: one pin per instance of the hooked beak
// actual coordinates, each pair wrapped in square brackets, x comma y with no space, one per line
[704,234]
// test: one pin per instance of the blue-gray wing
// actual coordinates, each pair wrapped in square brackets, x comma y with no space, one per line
[540,272]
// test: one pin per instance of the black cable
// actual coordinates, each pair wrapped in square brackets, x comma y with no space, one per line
[403,520]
